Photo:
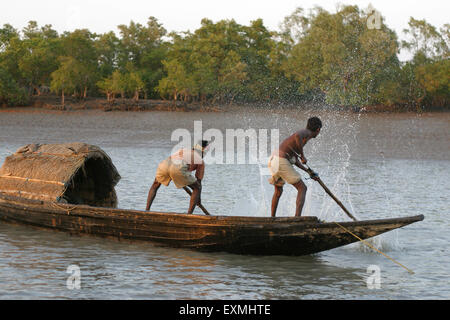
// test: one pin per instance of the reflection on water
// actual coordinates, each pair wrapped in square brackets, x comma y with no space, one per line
[378,165]
[136,270]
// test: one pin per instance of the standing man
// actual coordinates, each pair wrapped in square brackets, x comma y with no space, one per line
[282,160]
[178,167]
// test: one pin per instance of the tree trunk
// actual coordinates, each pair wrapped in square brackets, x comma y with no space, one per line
[62,98]
[419,102]
[346,82]
[175,95]
[203,99]
[232,99]
[215,99]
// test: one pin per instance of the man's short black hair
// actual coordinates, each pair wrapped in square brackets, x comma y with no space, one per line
[314,123]
[205,143]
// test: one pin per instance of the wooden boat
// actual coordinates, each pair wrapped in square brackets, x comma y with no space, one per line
[241,235]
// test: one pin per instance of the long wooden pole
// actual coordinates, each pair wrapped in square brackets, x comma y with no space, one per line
[199,205]
[333,196]
[335,199]
[354,219]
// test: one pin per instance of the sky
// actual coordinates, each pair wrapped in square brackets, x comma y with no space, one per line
[181,15]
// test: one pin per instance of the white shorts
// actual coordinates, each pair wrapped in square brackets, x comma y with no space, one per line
[282,171]
[177,171]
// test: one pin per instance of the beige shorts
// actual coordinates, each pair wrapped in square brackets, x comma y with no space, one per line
[282,171]
[174,170]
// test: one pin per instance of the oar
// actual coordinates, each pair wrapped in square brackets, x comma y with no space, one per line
[351,216]
[199,205]
[332,195]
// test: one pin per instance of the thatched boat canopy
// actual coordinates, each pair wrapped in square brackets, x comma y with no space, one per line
[75,173]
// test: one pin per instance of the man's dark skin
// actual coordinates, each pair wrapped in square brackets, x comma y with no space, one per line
[196,187]
[293,147]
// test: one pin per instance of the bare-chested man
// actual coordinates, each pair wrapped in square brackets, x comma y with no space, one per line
[282,160]
[178,168]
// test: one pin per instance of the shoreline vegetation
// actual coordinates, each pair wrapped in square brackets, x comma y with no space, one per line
[347,60]
[52,103]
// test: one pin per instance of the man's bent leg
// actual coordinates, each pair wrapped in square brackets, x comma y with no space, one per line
[301,195]
[152,193]
[195,196]
[276,198]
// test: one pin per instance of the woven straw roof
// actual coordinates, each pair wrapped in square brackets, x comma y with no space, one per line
[44,172]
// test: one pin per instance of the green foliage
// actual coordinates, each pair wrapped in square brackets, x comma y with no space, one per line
[434,78]
[124,83]
[219,62]
[107,47]
[131,81]
[69,77]
[6,34]
[10,92]
[79,45]
[424,39]
[41,48]
[428,73]
[112,85]
[144,48]
[332,58]
[177,81]
[342,57]
[11,53]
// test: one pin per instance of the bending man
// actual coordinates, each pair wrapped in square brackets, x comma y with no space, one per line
[178,168]
[282,160]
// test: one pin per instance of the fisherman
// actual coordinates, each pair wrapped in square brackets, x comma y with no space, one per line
[282,160]
[178,167]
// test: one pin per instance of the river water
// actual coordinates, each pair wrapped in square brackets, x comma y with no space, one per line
[378,165]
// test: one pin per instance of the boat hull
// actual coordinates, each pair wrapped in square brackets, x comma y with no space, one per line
[240,235]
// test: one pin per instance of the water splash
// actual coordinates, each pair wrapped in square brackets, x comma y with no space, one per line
[331,156]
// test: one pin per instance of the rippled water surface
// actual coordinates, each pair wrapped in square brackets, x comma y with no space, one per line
[379,165]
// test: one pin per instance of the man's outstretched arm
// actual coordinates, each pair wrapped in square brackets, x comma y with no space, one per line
[300,165]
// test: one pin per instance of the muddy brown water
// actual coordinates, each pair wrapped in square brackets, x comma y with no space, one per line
[379,166]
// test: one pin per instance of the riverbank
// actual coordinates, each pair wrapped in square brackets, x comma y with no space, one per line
[52,103]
